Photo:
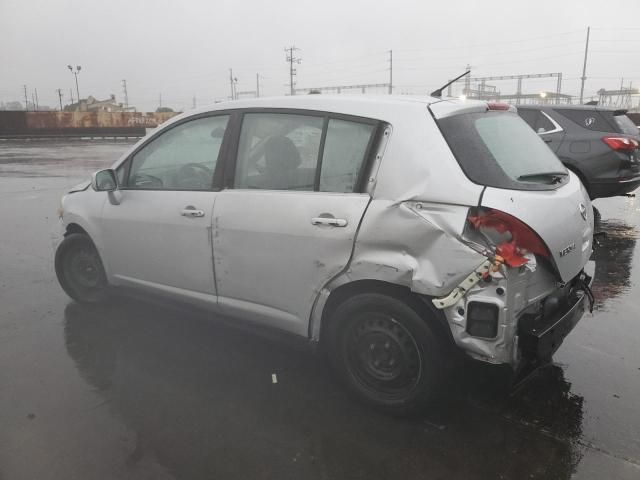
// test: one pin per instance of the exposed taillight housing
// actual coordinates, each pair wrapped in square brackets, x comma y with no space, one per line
[512,239]
[621,144]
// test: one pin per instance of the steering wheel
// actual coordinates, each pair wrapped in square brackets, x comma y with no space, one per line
[195,175]
[144,180]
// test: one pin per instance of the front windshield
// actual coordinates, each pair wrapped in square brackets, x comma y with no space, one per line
[499,149]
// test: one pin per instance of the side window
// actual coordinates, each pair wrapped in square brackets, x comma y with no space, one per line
[589,119]
[544,124]
[278,151]
[344,151]
[182,158]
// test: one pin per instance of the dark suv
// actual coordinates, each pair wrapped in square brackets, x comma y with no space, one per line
[599,145]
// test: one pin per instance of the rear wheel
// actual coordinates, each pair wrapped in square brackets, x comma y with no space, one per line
[79,269]
[385,352]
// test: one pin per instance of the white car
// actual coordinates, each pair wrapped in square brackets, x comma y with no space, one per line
[390,230]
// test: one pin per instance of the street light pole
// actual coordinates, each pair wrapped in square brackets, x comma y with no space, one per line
[76,72]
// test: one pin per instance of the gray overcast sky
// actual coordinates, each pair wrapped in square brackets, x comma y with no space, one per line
[182,49]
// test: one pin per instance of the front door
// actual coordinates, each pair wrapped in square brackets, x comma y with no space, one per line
[288,223]
[159,235]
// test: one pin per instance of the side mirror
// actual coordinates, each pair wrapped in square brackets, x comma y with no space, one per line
[104,181]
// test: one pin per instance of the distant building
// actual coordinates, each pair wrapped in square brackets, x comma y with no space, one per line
[91,104]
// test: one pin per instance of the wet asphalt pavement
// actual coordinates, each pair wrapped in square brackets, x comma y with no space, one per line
[136,390]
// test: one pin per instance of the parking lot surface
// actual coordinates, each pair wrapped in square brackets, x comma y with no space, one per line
[142,390]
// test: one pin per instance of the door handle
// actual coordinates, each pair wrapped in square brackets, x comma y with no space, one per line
[191,211]
[333,222]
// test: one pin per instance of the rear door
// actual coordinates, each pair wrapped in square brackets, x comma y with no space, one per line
[287,223]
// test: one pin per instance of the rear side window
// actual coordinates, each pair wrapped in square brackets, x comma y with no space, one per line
[282,151]
[536,120]
[278,151]
[499,149]
[344,154]
[589,119]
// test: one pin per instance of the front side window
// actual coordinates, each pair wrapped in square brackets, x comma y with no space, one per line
[278,151]
[345,148]
[182,158]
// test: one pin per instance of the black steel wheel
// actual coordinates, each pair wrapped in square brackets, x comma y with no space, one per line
[386,352]
[79,269]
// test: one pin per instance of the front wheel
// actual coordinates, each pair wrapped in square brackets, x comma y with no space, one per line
[79,269]
[385,352]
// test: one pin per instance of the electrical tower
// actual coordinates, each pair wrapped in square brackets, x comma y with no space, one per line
[291,58]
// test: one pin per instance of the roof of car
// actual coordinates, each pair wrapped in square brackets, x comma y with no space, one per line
[381,107]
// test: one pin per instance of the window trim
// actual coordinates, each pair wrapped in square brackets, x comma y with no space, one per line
[360,184]
[216,184]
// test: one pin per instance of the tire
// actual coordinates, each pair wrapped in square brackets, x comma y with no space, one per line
[79,269]
[385,353]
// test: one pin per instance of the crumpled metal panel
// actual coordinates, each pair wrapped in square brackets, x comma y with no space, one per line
[414,244]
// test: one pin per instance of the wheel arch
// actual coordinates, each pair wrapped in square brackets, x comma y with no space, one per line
[420,303]
[75,228]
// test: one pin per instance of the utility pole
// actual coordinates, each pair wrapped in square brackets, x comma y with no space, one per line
[33,102]
[59,92]
[37,102]
[584,66]
[467,80]
[292,71]
[126,95]
[232,81]
[76,72]
[390,72]
[257,85]
[26,102]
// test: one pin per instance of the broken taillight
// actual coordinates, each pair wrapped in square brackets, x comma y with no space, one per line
[512,239]
[621,144]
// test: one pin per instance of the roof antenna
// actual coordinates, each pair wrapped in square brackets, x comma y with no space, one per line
[438,93]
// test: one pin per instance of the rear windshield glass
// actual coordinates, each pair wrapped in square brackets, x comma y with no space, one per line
[499,149]
[625,125]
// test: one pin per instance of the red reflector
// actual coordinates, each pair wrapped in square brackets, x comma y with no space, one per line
[498,106]
[621,144]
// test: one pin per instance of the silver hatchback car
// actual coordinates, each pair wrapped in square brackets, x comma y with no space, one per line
[391,231]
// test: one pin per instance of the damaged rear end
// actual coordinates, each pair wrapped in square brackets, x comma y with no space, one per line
[533,225]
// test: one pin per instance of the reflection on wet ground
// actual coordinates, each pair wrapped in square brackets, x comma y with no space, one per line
[143,390]
[613,256]
[200,397]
